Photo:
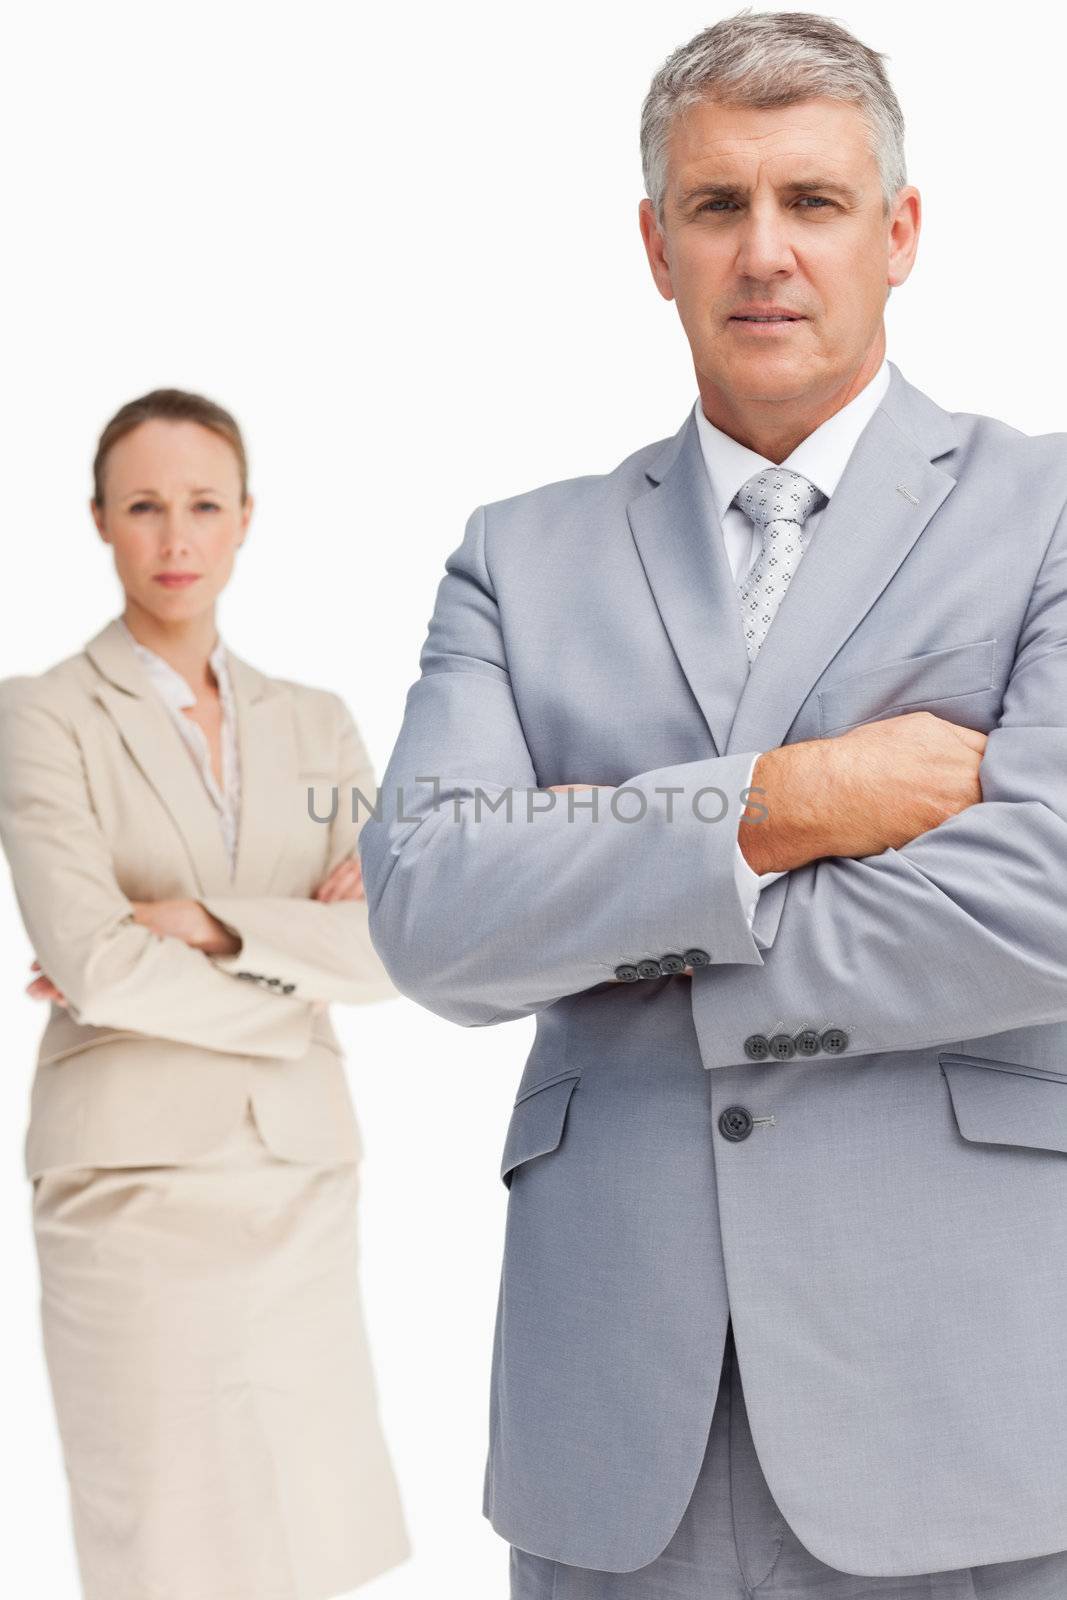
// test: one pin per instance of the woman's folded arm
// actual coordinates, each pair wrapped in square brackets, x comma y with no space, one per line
[113,971]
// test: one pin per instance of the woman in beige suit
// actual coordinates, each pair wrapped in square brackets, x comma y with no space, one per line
[181,831]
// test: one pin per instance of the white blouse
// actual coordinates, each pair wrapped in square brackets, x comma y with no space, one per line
[175,694]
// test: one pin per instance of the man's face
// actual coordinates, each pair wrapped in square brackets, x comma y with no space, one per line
[781,207]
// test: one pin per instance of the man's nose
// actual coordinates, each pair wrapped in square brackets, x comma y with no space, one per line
[765,246]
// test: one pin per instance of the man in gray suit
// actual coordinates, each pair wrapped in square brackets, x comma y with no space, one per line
[796,1110]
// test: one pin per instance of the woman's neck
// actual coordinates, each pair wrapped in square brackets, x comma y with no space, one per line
[186,645]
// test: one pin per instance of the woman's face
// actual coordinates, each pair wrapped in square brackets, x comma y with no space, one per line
[172,504]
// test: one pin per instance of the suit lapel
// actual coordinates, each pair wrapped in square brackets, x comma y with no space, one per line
[680,542]
[266,741]
[887,494]
[267,753]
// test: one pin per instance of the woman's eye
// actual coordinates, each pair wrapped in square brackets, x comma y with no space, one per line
[142,505]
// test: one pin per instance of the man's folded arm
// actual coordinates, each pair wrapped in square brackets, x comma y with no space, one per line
[962,932]
[315,949]
[113,971]
[490,897]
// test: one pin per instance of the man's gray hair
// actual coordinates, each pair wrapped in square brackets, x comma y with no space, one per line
[773,58]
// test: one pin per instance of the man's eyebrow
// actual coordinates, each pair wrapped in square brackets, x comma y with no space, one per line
[735,191]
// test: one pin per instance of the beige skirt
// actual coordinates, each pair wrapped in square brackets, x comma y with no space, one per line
[216,1403]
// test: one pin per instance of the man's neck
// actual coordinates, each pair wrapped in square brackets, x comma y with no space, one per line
[774,428]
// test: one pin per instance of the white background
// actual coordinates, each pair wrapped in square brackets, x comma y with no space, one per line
[402,247]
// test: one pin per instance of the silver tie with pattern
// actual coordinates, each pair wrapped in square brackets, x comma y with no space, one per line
[779,502]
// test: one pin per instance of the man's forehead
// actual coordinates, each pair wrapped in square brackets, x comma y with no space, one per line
[831,134]
[720,164]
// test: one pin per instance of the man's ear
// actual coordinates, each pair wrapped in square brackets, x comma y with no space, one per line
[655,248]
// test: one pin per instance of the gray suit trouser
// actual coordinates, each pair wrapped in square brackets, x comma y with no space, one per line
[733,1543]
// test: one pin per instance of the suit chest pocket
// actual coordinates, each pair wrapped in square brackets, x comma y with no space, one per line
[926,682]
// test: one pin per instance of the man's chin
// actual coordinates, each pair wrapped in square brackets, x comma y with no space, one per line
[767,374]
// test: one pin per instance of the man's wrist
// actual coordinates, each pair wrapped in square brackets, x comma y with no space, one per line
[791,783]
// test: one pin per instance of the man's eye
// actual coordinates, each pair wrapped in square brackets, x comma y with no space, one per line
[206,505]
[819,199]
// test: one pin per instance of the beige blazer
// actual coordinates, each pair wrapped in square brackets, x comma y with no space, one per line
[163,1045]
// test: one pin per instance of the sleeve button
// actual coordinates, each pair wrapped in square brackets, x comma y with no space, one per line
[757,1047]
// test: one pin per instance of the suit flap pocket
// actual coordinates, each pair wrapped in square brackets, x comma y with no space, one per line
[999,1102]
[912,683]
[536,1125]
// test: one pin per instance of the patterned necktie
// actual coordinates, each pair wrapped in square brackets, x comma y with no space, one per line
[779,502]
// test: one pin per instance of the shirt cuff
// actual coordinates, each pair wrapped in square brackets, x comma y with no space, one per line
[750,884]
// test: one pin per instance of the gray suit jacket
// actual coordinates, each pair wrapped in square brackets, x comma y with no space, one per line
[885,1218]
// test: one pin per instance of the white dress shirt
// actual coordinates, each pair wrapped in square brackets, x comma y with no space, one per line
[822,458]
[175,694]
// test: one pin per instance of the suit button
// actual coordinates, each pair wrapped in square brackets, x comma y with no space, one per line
[757,1047]
[697,958]
[648,968]
[626,973]
[782,1046]
[807,1042]
[671,963]
[834,1040]
[735,1122]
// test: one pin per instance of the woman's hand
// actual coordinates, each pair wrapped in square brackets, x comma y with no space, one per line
[43,988]
[345,882]
[187,920]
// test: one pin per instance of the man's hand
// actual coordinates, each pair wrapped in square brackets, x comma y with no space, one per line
[874,788]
